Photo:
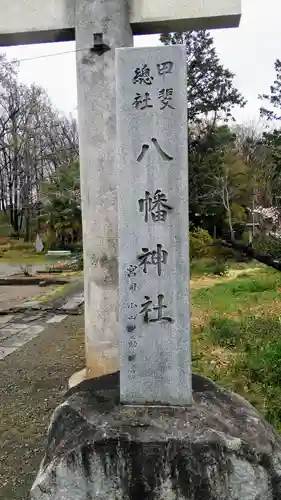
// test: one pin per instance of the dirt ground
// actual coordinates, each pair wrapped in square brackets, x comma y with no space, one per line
[13,296]
[32,382]
[207,281]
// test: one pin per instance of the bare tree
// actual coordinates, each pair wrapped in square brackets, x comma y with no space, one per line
[225,193]
[34,141]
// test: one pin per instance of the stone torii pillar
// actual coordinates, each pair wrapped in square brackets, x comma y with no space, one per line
[112,23]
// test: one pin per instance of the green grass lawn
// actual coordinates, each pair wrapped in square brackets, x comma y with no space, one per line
[236,336]
[13,250]
[20,258]
[246,291]
[19,251]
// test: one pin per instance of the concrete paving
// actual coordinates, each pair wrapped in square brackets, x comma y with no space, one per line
[18,329]
[74,302]
[8,268]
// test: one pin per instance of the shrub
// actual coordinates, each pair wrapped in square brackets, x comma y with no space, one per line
[272,411]
[200,244]
[202,267]
[268,244]
[264,363]
[220,268]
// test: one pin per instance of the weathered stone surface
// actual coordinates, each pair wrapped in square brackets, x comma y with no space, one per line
[217,449]
[152,161]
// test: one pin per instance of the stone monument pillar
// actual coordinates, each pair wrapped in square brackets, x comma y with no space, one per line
[152,168]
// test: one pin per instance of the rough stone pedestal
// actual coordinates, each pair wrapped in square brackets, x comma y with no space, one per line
[217,449]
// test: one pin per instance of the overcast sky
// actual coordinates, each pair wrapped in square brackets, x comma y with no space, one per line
[249,52]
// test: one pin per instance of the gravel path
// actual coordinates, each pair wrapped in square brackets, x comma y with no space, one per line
[32,382]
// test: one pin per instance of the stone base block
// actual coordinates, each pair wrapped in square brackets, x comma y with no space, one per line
[217,449]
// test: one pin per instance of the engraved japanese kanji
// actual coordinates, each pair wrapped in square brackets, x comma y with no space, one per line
[142,101]
[156,206]
[131,271]
[156,258]
[142,75]
[147,308]
[165,96]
[145,147]
[165,68]
[133,315]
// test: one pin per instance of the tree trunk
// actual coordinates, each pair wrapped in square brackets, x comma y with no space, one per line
[230,225]
[27,224]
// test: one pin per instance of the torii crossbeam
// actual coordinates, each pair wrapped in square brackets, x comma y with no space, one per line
[35,21]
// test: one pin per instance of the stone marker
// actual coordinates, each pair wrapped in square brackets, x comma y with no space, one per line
[39,245]
[99,27]
[153,225]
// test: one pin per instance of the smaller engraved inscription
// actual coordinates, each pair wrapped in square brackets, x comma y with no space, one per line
[132,343]
[132,305]
[132,271]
